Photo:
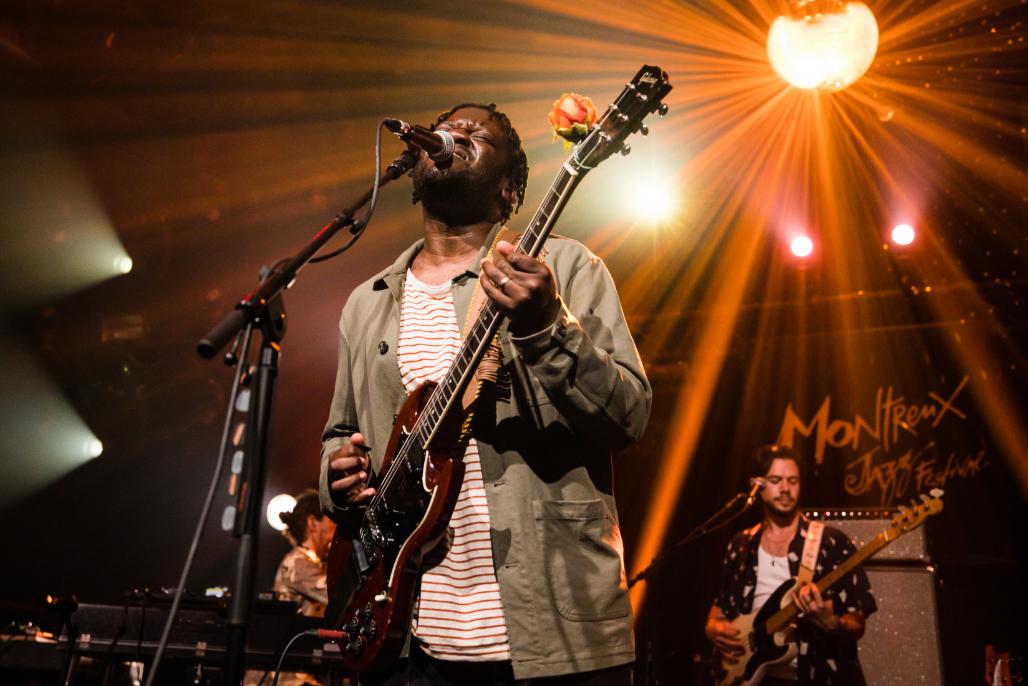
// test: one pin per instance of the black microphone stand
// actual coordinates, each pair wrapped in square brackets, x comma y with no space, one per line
[655,564]
[702,530]
[262,309]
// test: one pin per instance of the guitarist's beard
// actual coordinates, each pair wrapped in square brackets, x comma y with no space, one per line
[782,516]
[459,197]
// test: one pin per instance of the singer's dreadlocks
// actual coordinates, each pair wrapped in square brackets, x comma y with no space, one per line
[518,169]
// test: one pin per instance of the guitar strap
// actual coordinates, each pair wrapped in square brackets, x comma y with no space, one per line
[811,547]
[488,369]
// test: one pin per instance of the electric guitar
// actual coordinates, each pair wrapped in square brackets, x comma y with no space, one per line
[373,577]
[767,635]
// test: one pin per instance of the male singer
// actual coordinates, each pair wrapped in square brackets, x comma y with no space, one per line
[529,583]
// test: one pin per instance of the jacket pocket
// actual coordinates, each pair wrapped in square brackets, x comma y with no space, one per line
[582,550]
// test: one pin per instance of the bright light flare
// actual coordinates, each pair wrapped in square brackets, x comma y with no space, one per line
[92,447]
[123,264]
[283,502]
[903,234]
[828,51]
[654,201]
[801,246]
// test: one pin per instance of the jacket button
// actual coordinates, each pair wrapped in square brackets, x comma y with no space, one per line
[383,347]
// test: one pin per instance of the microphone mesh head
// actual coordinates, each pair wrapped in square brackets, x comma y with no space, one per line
[447,151]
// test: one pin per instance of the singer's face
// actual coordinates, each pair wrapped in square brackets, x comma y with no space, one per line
[479,142]
[470,189]
[781,493]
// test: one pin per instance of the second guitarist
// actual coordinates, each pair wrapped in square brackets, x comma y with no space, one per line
[529,582]
[760,559]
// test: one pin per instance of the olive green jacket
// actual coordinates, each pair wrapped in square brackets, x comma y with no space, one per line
[566,397]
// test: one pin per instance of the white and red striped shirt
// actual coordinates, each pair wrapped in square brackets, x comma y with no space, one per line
[459,615]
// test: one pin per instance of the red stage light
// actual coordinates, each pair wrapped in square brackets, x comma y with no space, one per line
[801,246]
[903,234]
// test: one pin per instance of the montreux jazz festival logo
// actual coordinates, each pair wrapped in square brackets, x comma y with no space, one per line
[901,426]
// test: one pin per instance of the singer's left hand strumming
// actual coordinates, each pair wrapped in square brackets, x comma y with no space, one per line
[522,287]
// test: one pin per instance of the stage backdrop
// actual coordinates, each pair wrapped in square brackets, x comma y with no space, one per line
[882,413]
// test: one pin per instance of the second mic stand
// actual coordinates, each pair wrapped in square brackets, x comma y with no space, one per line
[702,530]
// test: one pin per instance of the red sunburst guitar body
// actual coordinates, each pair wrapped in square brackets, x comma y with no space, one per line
[373,576]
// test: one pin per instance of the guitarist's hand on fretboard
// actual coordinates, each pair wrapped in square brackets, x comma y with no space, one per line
[523,288]
[816,608]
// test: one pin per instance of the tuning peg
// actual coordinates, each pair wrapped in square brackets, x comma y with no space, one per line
[662,110]
[625,149]
[936,492]
[903,509]
[644,130]
[925,497]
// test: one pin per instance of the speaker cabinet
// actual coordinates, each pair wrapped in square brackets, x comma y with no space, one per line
[901,644]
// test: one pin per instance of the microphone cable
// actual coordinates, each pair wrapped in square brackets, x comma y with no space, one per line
[204,513]
[359,225]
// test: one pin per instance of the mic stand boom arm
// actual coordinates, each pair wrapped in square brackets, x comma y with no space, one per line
[701,530]
[279,278]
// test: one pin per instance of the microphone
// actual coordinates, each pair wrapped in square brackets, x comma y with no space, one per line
[756,484]
[438,144]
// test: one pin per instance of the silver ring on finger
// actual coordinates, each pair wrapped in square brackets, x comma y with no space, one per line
[502,282]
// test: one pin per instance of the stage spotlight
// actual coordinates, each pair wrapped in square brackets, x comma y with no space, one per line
[92,447]
[903,234]
[801,246]
[283,502]
[825,44]
[654,201]
[57,235]
[45,437]
[123,264]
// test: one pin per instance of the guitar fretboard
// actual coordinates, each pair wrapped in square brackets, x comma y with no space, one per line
[788,614]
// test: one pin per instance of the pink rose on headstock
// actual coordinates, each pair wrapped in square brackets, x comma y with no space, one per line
[572,117]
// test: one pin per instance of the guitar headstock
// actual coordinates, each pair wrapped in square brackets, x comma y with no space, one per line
[643,95]
[910,518]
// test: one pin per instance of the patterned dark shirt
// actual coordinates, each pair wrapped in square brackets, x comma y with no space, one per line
[823,659]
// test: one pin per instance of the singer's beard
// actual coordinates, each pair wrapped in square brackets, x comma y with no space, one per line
[458,198]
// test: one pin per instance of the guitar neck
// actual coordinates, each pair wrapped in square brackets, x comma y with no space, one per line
[788,614]
[481,332]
